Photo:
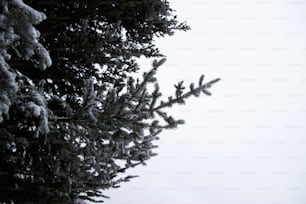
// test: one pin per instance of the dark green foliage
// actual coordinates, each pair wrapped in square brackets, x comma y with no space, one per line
[78,157]
[83,34]
[67,132]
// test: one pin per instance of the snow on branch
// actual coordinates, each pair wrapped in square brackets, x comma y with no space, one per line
[18,34]
[127,120]
[20,18]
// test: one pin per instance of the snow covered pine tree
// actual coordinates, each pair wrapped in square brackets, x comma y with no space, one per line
[59,146]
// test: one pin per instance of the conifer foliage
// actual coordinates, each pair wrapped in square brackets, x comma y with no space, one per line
[71,125]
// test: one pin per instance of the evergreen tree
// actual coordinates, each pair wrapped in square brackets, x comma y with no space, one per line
[83,34]
[68,131]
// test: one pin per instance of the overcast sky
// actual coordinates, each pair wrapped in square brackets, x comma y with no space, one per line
[246,144]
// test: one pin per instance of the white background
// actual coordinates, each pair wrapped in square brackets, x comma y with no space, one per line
[246,144]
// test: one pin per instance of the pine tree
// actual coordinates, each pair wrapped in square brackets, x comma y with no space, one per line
[67,132]
[83,34]
[19,36]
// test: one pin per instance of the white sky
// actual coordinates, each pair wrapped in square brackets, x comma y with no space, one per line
[246,144]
